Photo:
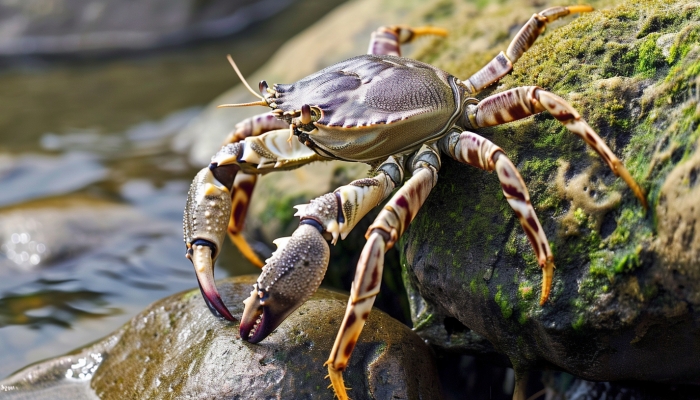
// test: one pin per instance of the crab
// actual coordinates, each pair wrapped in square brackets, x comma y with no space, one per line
[398,115]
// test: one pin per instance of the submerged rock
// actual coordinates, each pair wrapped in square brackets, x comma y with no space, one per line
[61,27]
[177,349]
[624,302]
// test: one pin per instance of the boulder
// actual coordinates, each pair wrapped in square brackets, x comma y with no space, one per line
[176,349]
[62,27]
[624,302]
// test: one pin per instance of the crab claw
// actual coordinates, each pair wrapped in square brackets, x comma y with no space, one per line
[205,221]
[288,279]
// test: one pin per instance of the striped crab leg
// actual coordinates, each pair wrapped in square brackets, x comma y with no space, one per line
[502,64]
[296,269]
[525,101]
[472,149]
[387,40]
[389,225]
[244,184]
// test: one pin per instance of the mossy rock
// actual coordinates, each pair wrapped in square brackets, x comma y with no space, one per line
[176,349]
[624,302]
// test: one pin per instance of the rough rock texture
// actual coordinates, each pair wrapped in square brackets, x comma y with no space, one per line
[624,304]
[79,26]
[176,349]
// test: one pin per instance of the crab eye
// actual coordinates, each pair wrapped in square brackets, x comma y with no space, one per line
[315,113]
[263,295]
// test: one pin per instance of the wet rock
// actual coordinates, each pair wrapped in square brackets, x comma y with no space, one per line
[624,303]
[177,349]
[61,27]
[74,268]
[562,386]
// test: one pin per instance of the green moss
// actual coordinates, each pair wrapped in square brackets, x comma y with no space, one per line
[578,323]
[190,294]
[650,57]
[684,42]
[423,322]
[281,210]
[502,301]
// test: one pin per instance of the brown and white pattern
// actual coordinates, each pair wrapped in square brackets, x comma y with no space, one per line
[525,101]
[389,225]
[472,149]
[370,108]
[502,64]
[244,184]
[387,40]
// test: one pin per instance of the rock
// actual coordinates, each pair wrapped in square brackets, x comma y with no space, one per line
[177,349]
[74,268]
[62,27]
[624,304]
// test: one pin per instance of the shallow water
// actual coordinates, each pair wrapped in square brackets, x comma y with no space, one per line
[91,194]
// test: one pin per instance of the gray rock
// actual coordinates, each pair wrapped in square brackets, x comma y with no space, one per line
[79,26]
[177,349]
[624,304]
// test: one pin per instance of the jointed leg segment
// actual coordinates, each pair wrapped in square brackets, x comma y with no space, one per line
[502,64]
[244,184]
[472,149]
[381,236]
[387,40]
[525,101]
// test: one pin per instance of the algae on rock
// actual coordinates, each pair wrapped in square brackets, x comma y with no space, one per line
[624,299]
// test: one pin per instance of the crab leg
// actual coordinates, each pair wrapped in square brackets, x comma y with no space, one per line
[389,225]
[244,183]
[525,101]
[502,64]
[296,269]
[387,40]
[472,149]
[209,200]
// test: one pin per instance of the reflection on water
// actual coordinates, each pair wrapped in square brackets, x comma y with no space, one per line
[48,305]
[91,194]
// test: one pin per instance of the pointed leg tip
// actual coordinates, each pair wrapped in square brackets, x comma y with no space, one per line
[580,8]
[547,277]
[337,382]
[246,250]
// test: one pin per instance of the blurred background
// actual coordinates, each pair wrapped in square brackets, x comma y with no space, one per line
[93,94]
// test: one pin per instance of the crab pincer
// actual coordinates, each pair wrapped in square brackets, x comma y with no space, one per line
[205,224]
[288,279]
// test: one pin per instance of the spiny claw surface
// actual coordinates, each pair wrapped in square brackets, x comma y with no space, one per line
[288,279]
[205,224]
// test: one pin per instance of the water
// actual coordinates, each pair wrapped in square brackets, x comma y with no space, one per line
[91,194]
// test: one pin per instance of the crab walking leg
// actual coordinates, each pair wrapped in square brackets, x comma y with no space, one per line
[525,101]
[255,126]
[387,40]
[209,201]
[389,225]
[301,260]
[340,211]
[502,64]
[241,193]
[244,183]
[472,149]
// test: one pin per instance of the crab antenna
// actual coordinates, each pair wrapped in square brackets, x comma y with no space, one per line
[252,103]
[238,72]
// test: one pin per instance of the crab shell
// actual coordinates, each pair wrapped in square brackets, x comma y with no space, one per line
[373,106]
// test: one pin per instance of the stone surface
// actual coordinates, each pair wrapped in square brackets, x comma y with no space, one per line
[624,304]
[61,27]
[177,349]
